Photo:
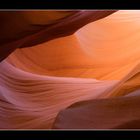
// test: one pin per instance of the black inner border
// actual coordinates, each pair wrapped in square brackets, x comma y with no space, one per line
[69,4]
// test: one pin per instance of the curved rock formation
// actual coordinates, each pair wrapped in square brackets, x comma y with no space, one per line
[53,59]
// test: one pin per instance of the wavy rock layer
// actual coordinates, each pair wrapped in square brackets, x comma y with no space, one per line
[72,58]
